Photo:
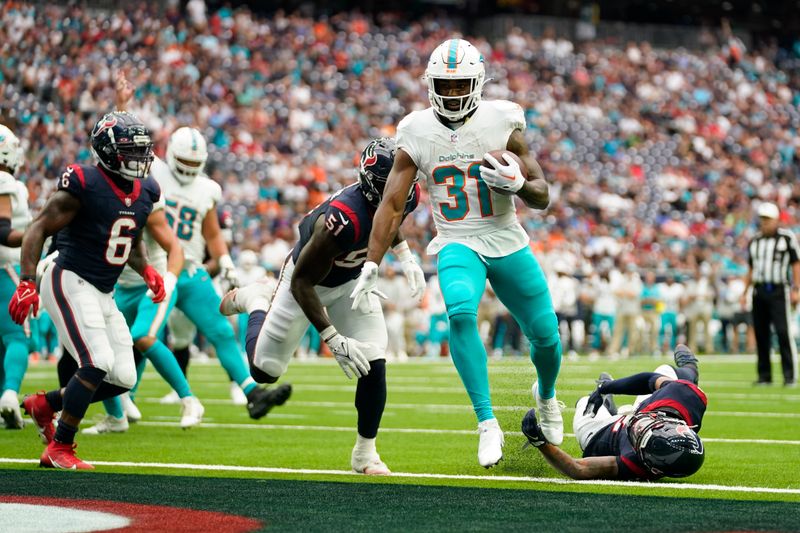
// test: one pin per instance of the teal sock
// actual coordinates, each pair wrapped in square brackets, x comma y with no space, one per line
[547,360]
[15,364]
[139,372]
[231,359]
[113,407]
[469,357]
[166,365]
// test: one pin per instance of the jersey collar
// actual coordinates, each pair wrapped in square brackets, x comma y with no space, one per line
[125,198]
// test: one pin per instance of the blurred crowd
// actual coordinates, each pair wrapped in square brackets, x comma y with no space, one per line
[657,158]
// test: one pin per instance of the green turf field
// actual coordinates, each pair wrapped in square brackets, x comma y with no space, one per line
[427,438]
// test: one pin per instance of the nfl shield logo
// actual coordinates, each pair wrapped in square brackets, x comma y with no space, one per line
[454,138]
[128,202]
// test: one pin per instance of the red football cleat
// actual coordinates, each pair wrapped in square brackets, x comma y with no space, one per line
[36,407]
[62,456]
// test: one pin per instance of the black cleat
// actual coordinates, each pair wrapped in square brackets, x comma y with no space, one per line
[684,356]
[608,399]
[260,401]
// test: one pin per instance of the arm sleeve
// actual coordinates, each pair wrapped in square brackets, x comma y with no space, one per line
[406,139]
[642,383]
[73,181]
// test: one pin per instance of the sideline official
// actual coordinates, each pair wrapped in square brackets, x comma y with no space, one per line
[774,260]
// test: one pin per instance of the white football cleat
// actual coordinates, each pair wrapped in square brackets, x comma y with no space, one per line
[369,464]
[237,394]
[108,425]
[9,409]
[191,412]
[130,409]
[490,445]
[246,299]
[550,419]
[170,398]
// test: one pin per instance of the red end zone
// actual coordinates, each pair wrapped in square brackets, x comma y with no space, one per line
[148,518]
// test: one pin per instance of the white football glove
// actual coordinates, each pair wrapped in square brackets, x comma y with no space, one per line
[349,353]
[505,177]
[228,275]
[365,294]
[412,270]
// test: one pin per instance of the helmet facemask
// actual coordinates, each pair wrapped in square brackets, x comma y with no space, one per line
[135,157]
[455,76]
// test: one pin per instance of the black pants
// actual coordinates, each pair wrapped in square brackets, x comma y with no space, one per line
[770,308]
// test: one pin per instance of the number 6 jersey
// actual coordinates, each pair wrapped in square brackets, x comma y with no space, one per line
[187,205]
[465,210]
[98,240]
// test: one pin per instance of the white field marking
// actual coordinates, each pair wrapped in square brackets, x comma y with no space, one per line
[432,431]
[654,487]
[467,408]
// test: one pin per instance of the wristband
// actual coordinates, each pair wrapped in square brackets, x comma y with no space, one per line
[328,333]
[403,252]
[225,262]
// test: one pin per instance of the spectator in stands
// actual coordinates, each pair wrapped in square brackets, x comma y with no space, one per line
[652,304]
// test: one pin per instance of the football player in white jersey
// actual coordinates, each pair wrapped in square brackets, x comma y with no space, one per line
[14,218]
[478,234]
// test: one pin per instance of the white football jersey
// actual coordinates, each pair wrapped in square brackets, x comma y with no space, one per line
[465,210]
[156,256]
[187,206]
[20,214]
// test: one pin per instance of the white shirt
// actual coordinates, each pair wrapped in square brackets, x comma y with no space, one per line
[20,214]
[465,210]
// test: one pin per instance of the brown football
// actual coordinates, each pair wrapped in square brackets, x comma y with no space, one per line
[498,154]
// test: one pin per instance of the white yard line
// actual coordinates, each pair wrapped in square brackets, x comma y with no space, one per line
[432,431]
[421,475]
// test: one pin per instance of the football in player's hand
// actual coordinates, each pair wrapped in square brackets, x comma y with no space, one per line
[498,154]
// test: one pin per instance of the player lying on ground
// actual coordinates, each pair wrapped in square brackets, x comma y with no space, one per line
[313,287]
[101,211]
[479,236]
[657,439]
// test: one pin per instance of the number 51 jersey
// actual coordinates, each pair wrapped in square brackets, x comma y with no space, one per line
[465,210]
[187,206]
[97,242]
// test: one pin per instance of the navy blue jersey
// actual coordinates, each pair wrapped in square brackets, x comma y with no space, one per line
[682,399]
[97,242]
[348,217]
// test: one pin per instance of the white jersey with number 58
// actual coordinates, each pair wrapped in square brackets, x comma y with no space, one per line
[187,206]
[465,210]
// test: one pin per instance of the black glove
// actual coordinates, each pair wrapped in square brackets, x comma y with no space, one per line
[532,430]
[595,401]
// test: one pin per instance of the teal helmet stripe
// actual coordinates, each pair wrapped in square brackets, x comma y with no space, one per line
[452,55]
[194,139]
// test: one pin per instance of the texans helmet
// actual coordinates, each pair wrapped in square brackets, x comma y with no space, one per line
[123,145]
[666,445]
[373,169]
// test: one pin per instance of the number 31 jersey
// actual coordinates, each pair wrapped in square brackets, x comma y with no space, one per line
[98,240]
[465,210]
[187,206]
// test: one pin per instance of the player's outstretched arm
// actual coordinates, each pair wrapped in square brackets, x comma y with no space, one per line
[159,228]
[8,236]
[217,247]
[585,468]
[59,211]
[389,215]
[535,192]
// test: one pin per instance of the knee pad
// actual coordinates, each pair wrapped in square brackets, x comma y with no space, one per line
[126,380]
[220,331]
[542,331]
[462,321]
[259,376]
[461,299]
